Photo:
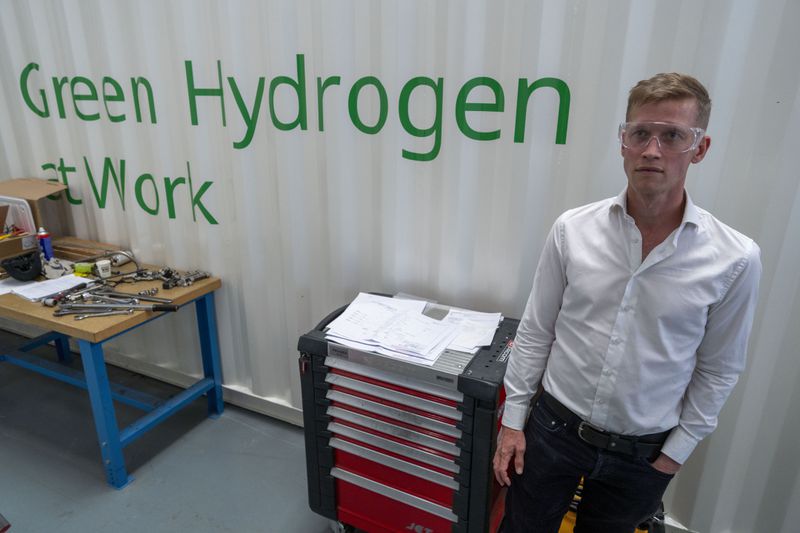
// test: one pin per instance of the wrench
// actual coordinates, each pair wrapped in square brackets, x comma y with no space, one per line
[105,313]
[142,297]
[110,306]
[67,311]
[103,298]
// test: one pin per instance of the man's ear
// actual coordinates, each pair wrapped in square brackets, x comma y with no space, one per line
[702,149]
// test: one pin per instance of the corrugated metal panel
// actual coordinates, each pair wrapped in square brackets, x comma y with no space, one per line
[308,218]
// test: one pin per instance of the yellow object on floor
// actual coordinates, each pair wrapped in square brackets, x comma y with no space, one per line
[568,523]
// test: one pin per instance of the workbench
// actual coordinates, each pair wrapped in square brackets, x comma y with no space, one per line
[91,335]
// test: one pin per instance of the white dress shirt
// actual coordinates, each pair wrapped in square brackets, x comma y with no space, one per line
[636,347]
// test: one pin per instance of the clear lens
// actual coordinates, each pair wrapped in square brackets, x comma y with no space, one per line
[674,138]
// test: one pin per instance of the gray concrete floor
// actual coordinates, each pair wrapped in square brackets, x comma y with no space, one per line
[242,472]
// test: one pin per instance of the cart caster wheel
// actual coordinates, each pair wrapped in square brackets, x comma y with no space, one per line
[338,527]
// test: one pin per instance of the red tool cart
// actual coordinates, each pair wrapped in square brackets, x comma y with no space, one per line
[397,446]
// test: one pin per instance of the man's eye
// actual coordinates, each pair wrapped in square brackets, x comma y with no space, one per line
[640,134]
[673,135]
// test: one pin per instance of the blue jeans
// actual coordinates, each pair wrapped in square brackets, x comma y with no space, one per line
[619,491]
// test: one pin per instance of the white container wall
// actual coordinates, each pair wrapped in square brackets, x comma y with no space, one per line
[305,151]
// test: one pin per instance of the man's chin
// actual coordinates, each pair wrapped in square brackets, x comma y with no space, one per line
[647,186]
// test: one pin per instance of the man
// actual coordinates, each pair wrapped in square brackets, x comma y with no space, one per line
[636,330]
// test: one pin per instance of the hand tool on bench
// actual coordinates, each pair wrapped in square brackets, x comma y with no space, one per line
[103,292]
[105,313]
[112,306]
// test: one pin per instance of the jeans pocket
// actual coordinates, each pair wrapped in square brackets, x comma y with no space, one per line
[546,420]
[652,470]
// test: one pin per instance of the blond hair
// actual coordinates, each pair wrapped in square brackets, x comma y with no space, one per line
[671,86]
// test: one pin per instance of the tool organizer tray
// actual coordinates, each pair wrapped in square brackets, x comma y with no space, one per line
[396,446]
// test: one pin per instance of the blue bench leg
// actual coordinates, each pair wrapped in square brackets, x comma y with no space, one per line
[105,420]
[209,346]
[62,349]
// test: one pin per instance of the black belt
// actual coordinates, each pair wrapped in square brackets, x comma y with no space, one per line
[640,446]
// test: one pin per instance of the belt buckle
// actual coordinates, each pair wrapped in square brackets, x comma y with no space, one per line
[604,436]
[586,425]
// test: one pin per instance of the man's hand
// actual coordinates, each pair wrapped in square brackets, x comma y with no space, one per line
[510,445]
[666,465]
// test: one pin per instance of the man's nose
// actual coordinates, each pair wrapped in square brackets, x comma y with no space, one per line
[652,149]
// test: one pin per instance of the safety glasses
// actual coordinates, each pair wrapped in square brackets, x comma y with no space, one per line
[672,138]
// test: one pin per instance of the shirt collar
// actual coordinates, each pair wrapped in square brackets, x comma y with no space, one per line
[690,212]
[621,201]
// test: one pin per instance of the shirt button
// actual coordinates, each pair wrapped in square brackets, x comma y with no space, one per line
[600,401]
[616,340]
[635,240]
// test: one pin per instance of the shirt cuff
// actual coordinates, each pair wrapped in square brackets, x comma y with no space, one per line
[679,445]
[514,415]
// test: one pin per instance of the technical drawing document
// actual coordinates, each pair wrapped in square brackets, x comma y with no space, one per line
[476,329]
[416,334]
[10,284]
[367,314]
[43,289]
[397,327]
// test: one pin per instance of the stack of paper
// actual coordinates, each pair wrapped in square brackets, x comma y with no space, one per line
[10,285]
[475,329]
[397,328]
[36,290]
